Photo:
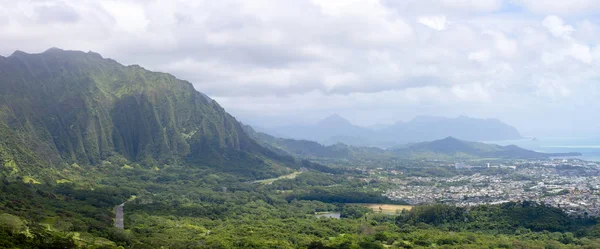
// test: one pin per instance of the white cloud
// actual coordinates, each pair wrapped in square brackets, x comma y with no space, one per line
[335,80]
[480,56]
[596,53]
[435,22]
[128,16]
[475,92]
[472,5]
[556,26]
[504,46]
[383,58]
[552,87]
[581,53]
[576,51]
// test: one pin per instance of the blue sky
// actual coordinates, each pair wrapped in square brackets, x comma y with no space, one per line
[534,64]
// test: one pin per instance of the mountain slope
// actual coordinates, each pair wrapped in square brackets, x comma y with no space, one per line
[76,107]
[308,149]
[15,158]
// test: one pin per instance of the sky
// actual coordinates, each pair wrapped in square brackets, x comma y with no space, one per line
[534,64]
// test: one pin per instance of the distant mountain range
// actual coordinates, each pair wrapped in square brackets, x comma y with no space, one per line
[336,129]
[446,148]
[330,130]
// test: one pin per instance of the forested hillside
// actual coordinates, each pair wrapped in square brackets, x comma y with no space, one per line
[74,107]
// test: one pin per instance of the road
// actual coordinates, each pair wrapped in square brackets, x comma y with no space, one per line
[119,216]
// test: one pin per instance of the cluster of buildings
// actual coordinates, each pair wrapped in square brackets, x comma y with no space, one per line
[461,165]
[572,185]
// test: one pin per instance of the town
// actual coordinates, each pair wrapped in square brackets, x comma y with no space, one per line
[572,185]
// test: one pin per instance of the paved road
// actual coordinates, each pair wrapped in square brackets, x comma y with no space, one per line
[119,216]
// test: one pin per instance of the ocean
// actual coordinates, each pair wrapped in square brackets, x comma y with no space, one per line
[589,147]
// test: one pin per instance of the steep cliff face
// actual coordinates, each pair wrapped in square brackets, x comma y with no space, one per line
[71,106]
[15,158]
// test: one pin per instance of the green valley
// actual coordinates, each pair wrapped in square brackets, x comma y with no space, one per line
[81,134]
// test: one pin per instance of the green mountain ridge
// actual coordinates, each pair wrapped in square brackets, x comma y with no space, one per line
[308,149]
[448,148]
[75,107]
[451,146]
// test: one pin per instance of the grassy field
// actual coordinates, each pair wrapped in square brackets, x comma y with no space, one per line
[271,180]
[385,208]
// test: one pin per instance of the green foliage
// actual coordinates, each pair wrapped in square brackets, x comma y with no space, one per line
[12,224]
[354,211]
[504,218]
[14,233]
[434,214]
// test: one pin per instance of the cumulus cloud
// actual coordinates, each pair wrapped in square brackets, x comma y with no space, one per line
[555,25]
[435,22]
[503,45]
[581,53]
[56,12]
[480,56]
[471,92]
[370,60]
[552,87]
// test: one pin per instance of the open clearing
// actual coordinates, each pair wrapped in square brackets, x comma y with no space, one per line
[385,208]
[271,180]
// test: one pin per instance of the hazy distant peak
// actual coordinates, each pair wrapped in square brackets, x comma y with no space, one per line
[334,119]
[53,49]
[494,120]
[17,53]
[421,128]
[334,116]
[95,54]
[425,118]
[451,138]
[512,147]
[60,51]
[57,52]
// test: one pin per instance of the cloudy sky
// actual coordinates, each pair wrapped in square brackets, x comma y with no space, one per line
[532,63]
